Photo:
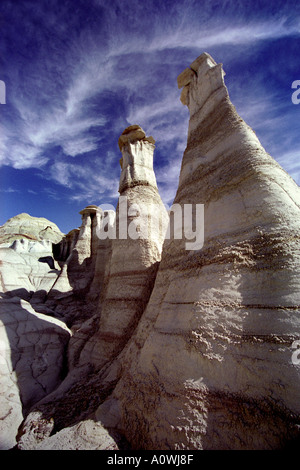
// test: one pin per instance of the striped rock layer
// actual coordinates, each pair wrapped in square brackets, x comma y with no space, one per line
[134,257]
[192,349]
[210,366]
[125,269]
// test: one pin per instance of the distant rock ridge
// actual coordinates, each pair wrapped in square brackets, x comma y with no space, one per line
[33,228]
[135,342]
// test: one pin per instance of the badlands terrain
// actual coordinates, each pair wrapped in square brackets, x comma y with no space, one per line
[114,340]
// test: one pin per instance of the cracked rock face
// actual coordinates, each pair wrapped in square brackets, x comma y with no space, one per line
[32,342]
[77,252]
[137,158]
[127,283]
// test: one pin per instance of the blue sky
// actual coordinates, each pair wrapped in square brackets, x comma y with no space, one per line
[77,73]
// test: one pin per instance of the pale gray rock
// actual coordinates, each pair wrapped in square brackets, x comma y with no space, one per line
[27,267]
[210,365]
[32,348]
[80,265]
[180,348]
[185,77]
[32,344]
[126,280]
[135,254]
[137,158]
[87,435]
[63,249]
[77,252]
[33,228]
[102,246]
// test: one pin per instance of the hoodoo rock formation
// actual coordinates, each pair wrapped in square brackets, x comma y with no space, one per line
[134,258]
[215,370]
[78,252]
[153,345]
[128,277]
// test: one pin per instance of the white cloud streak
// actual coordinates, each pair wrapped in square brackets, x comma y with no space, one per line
[67,120]
[290,161]
[87,183]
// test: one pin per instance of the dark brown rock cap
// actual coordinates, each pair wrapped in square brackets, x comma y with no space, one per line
[132,134]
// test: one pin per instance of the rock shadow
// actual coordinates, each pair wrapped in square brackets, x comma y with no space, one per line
[49,260]
[33,355]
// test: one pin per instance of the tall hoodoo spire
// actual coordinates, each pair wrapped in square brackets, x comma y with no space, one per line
[134,260]
[191,349]
[215,371]
[137,158]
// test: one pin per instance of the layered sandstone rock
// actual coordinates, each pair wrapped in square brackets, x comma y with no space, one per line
[141,222]
[40,282]
[130,256]
[77,254]
[81,261]
[88,435]
[25,226]
[27,268]
[191,348]
[137,158]
[32,344]
[102,253]
[210,365]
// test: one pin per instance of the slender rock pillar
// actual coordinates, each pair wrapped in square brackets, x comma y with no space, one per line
[141,221]
[101,252]
[78,252]
[216,370]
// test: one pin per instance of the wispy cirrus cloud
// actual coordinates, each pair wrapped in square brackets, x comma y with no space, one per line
[87,183]
[57,127]
[76,80]
[225,34]
[290,161]
[10,190]
[92,69]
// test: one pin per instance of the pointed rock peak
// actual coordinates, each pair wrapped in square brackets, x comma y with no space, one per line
[204,59]
[205,70]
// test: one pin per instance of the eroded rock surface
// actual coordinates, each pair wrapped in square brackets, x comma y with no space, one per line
[32,228]
[210,365]
[128,281]
[32,356]
[167,347]
[135,252]
[33,337]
